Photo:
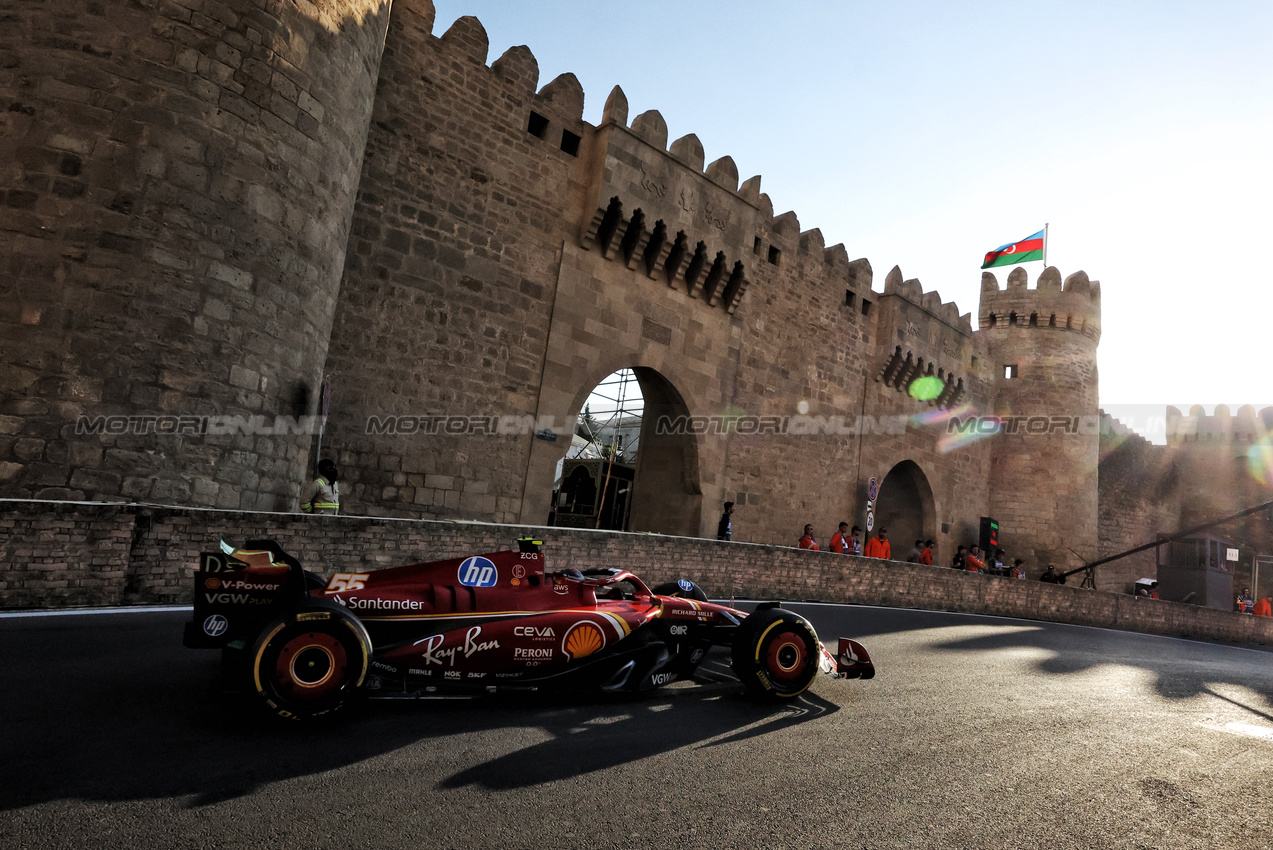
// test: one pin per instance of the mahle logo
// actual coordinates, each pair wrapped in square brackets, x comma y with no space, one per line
[478,572]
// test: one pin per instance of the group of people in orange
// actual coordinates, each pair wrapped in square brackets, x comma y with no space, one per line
[1246,605]
[848,541]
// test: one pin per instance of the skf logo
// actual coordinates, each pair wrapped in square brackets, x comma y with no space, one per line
[478,572]
[215,625]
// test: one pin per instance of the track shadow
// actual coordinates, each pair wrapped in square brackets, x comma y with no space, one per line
[120,711]
[1182,668]
[632,730]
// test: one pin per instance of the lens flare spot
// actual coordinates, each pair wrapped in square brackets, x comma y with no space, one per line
[1259,461]
[926,388]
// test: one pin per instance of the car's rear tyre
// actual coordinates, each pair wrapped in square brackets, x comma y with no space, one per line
[776,654]
[310,661]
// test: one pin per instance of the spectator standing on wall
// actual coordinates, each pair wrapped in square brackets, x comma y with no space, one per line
[877,546]
[917,552]
[725,528]
[807,542]
[324,493]
[973,562]
[1264,608]
[841,543]
[1052,576]
[961,554]
[855,537]
[926,556]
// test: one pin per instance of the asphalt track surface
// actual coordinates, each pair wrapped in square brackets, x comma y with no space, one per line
[977,732]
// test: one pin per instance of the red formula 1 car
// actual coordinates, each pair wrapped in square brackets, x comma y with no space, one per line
[483,624]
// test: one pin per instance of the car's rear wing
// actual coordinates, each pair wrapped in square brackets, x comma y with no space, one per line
[236,590]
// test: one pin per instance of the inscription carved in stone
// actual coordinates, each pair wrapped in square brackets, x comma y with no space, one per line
[648,184]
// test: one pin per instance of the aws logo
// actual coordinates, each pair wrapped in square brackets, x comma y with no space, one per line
[478,572]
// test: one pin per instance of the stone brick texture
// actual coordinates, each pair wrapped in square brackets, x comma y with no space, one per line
[206,206]
[176,188]
[111,555]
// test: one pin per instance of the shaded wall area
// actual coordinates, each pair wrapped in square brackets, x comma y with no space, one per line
[176,189]
[74,554]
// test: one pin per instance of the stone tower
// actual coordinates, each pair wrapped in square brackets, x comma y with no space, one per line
[1043,469]
[176,187]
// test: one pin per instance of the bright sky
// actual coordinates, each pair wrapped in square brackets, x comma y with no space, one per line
[924,134]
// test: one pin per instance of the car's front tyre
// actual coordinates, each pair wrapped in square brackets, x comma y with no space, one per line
[776,654]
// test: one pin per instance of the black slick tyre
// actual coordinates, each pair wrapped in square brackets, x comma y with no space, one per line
[309,661]
[776,654]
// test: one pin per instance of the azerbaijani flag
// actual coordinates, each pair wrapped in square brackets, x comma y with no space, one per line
[1029,248]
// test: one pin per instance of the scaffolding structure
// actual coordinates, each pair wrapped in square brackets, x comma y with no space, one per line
[594,481]
[609,427]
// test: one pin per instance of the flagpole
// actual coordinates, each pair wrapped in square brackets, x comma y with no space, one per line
[1045,244]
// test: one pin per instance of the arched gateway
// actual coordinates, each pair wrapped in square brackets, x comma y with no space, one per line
[905,507]
[646,480]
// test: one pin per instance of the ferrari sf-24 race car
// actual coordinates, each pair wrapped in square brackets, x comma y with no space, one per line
[483,624]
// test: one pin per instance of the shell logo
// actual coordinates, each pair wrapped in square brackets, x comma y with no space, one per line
[212,583]
[582,639]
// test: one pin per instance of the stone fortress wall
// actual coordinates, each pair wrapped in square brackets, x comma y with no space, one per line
[568,251]
[176,187]
[207,207]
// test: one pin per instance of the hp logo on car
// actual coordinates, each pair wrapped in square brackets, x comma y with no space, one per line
[215,625]
[685,584]
[478,572]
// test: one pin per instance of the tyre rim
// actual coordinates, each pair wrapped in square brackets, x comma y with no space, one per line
[786,657]
[311,665]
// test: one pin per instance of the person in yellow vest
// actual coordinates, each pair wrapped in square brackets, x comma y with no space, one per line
[324,493]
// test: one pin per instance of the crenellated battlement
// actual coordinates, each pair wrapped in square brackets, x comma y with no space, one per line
[1073,305]
[930,301]
[1222,426]
[661,208]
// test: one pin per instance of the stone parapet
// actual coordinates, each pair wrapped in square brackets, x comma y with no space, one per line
[59,555]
